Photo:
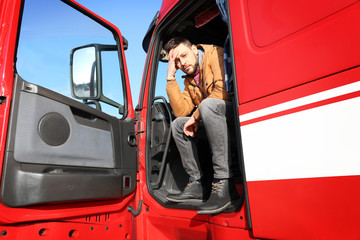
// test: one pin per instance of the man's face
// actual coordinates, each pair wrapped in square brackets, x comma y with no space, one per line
[186,58]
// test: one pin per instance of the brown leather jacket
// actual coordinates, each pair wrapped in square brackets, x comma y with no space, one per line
[212,74]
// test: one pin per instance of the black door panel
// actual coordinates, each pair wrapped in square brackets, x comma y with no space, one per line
[85,146]
[62,150]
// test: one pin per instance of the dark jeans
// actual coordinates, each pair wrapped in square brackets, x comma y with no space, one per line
[216,114]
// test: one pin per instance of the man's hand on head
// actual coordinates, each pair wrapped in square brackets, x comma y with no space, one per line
[172,64]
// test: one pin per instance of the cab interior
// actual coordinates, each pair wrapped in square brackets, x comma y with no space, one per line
[200,22]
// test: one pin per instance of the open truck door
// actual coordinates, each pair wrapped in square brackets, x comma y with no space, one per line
[68,169]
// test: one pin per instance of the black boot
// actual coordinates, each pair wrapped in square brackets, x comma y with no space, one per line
[223,195]
[193,192]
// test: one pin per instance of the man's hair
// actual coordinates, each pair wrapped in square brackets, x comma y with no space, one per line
[176,41]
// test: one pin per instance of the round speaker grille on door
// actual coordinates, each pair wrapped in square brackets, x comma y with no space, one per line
[54,129]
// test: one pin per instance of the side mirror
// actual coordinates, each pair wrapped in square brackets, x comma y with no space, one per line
[86,74]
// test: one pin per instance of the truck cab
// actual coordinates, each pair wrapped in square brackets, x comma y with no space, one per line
[80,160]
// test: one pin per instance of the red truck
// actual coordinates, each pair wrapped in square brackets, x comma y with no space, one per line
[78,161]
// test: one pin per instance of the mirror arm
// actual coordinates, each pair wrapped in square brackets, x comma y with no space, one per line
[95,102]
[112,103]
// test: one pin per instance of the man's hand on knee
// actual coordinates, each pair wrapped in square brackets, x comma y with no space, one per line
[191,126]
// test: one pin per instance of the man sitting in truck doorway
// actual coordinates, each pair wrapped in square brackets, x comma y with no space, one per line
[204,89]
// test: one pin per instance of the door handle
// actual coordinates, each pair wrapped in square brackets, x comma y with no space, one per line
[131,139]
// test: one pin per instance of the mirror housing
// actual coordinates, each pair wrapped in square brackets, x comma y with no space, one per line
[84,67]
[86,74]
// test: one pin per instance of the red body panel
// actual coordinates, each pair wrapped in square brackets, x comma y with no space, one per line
[324,47]
[285,52]
[166,6]
[163,223]
[9,23]
[324,84]
[100,226]
[306,208]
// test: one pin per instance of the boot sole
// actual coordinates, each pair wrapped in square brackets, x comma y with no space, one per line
[234,206]
[214,211]
[194,200]
[230,207]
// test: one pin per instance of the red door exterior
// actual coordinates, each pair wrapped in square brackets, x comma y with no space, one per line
[102,218]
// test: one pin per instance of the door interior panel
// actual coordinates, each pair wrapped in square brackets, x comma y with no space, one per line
[57,141]
[38,125]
